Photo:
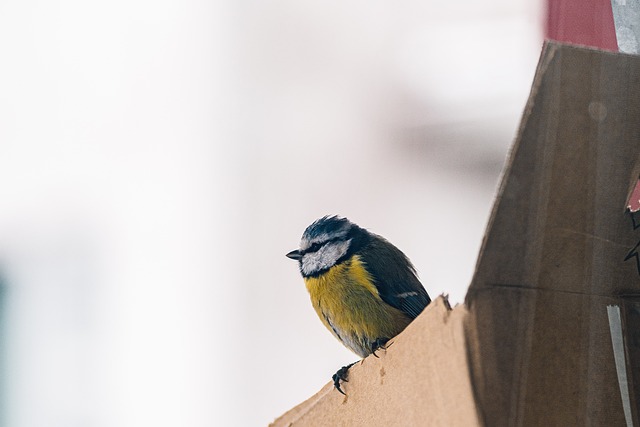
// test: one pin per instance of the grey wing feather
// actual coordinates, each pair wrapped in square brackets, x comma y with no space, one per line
[395,277]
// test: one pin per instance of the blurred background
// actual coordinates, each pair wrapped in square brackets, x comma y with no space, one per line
[158,159]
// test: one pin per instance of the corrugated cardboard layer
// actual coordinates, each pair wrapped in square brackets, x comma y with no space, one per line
[533,345]
[422,379]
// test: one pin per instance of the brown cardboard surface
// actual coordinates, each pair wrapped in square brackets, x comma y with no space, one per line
[554,253]
[532,346]
[422,379]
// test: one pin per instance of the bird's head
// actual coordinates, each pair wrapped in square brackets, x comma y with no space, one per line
[325,243]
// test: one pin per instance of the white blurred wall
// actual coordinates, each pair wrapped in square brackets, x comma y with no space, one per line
[158,159]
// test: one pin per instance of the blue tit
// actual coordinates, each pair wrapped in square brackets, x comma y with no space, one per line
[363,288]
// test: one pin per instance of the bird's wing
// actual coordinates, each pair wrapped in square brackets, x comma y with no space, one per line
[395,277]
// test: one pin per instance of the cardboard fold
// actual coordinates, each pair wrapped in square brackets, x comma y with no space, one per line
[556,247]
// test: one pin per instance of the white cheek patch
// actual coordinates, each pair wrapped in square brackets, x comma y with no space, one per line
[324,258]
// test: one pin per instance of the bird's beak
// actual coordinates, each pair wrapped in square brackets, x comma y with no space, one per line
[295,254]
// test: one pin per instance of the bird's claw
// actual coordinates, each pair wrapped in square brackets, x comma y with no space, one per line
[341,375]
[380,344]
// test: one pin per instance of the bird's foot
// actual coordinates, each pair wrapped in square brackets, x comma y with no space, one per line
[380,344]
[341,375]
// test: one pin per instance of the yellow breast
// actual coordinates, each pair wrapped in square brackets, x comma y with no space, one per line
[349,304]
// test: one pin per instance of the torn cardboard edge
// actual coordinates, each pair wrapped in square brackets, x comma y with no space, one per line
[533,343]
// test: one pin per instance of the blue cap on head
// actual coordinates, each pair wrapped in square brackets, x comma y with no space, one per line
[327,225]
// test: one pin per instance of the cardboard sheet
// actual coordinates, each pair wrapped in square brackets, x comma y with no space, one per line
[554,253]
[422,379]
[533,344]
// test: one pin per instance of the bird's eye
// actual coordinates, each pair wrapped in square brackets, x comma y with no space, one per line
[314,247]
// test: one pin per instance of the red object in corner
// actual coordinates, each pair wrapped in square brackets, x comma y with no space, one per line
[588,23]
[583,22]
[634,200]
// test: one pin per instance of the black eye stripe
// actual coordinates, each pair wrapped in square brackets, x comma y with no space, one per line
[316,246]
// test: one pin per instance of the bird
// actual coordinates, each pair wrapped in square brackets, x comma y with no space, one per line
[364,289]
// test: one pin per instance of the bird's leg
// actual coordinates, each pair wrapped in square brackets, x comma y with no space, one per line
[341,375]
[379,344]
